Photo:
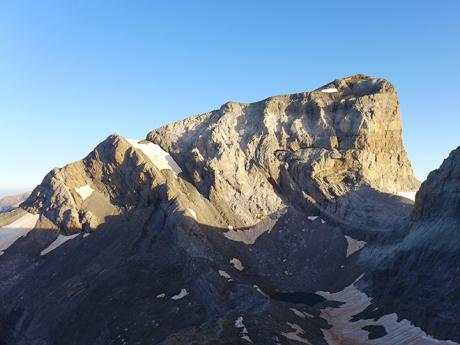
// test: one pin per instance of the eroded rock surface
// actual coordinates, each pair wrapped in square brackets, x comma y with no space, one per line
[192,236]
[316,148]
[419,276]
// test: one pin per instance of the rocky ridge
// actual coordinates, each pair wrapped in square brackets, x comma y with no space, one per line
[422,269]
[269,223]
[315,149]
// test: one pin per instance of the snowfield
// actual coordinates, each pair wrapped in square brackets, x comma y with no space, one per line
[84,192]
[17,229]
[157,155]
[330,90]
[353,245]
[237,264]
[408,195]
[181,295]
[250,235]
[60,240]
[345,331]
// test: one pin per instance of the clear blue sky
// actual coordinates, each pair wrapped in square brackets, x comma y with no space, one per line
[72,72]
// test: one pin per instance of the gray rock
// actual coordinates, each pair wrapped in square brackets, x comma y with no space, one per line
[312,148]
[266,201]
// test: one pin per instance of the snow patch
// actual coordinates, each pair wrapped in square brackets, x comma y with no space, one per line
[192,213]
[161,295]
[245,337]
[259,290]
[84,191]
[237,264]
[157,155]
[300,314]
[239,323]
[344,331]
[329,90]
[60,240]
[407,195]
[312,218]
[353,245]
[295,334]
[225,275]
[250,235]
[19,228]
[181,295]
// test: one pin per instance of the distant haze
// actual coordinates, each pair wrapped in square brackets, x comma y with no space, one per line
[10,192]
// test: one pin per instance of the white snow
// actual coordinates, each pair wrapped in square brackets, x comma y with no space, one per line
[84,191]
[157,155]
[240,325]
[251,234]
[345,331]
[237,264]
[407,195]
[60,240]
[192,213]
[312,218]
[248,236]
[245,337]
[181,295]
[329,90]
[353,245]
[19,228]
[259,290]
[239,322]
[295,334]
[300,314]
[161,295]
[225,275]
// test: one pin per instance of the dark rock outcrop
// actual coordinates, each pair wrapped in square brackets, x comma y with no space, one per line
[419,276]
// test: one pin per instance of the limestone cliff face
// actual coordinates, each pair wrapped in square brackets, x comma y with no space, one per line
[314,150]
[116,178]
[251,159]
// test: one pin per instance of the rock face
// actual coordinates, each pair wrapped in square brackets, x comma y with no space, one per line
[318,147]
[439,195]
[419,275]
[236,226]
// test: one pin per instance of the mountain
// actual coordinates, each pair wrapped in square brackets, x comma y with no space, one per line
[421,273]
[9,202]
[275,222]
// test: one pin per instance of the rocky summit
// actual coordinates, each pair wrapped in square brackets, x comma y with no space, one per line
[285,221]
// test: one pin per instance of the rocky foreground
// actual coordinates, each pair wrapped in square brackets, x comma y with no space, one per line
[275,222]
